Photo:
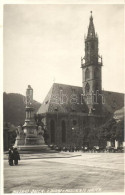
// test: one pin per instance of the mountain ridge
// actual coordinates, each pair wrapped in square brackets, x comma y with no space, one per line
[14,108]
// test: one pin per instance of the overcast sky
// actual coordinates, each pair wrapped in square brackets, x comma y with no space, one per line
[43,43]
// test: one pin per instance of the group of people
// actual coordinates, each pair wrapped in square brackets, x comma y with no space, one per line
[13,156]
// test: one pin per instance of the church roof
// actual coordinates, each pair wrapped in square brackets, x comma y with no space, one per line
[113,101]
[67,98]
[61,97]
[119,114]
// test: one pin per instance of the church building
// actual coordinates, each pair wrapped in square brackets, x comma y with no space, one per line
[69,112]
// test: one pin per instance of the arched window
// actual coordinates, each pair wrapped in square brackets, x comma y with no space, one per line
[52,131]
[92,45]
[63,132]
[96,73]
[87,74]
[96,87]
[87,88]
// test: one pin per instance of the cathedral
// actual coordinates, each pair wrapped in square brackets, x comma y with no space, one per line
[68,112]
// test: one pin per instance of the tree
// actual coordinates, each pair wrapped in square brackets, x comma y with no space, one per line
[111,130]
[120,131]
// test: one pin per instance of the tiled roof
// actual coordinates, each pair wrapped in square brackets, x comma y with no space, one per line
[119,114]
[61,98]
[45,105]
[113,101]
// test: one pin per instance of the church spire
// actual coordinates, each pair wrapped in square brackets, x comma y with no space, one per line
[91,68]
[91,29]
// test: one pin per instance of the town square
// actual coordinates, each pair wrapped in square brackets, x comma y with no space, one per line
[66,172]
[63,98]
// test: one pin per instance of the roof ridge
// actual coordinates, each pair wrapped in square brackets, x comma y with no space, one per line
[67,85]
[113,92]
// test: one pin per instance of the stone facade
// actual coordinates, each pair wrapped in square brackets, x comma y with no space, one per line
[67,119]
[69,129]
[69,112]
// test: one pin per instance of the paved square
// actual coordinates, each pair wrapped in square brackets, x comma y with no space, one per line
[85,172]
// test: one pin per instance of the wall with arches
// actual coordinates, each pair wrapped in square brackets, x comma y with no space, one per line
[68,129]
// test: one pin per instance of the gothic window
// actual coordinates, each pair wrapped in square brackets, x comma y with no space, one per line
[63,132]
[96,73]
[52,131]
[87,74]
[96,87]
[92,45]
[87,88]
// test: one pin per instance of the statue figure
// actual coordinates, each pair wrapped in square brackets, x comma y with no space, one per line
[20,136]
[41,133]
[19,131]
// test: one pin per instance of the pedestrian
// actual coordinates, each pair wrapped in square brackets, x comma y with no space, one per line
[11,157]
[16,156]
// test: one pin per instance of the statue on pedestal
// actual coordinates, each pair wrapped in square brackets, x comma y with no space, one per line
[29,136]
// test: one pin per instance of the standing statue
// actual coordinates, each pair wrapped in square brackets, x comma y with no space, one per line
[41,133]
[29,137]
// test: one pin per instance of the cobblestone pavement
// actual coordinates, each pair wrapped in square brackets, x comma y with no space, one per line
[77,172]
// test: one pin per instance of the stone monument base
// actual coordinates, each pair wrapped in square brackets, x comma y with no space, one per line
[34,149]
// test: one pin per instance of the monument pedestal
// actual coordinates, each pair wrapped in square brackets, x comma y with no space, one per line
[31,143]
[25,149]
[29,137]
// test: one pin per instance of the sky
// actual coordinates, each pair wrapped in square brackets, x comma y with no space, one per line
[43,44]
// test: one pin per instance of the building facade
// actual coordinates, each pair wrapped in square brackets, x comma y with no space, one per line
[68,112]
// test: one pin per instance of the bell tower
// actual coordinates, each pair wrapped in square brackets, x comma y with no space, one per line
[91,66]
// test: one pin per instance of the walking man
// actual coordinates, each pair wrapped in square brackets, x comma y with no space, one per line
[11,156]
[16,156]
